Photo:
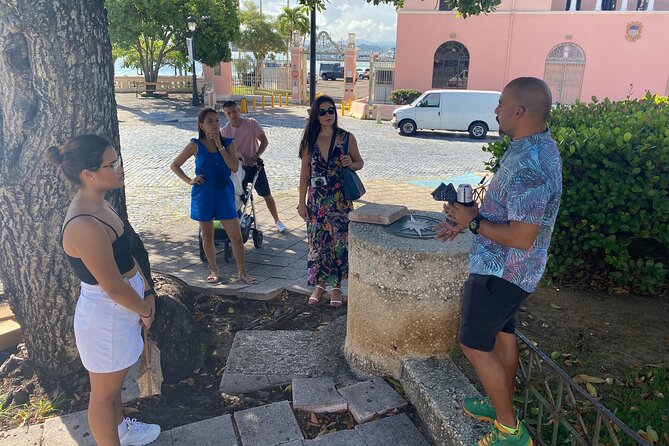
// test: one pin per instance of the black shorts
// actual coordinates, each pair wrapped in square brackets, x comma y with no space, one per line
[489,305]
[262,185]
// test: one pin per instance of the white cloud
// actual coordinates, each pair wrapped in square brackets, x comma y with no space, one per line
[377,23]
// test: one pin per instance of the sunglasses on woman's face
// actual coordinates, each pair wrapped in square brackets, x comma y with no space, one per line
[323,112]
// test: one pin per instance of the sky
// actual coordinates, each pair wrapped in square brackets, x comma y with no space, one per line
[369,22]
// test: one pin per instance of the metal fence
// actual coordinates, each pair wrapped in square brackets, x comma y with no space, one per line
[557,410]
[251,77]
[381,76]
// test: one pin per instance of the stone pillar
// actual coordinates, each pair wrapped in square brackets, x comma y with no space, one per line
[403,294]
[296,75]
[350,75]
[224,88]
[623,5]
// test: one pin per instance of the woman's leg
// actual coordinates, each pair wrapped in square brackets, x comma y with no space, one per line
[104,408]
[207,234]
[234,232]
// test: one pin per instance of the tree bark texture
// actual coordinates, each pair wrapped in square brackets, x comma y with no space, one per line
[56,82]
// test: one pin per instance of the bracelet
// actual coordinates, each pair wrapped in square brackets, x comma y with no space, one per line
[149,292]
[150,313]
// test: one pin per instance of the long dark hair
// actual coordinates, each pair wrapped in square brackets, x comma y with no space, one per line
[80,153]
[313,124]
[200,119]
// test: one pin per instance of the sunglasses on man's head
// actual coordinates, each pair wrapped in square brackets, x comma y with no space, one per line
[331,111]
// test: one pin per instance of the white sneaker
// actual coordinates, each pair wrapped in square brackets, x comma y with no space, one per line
[139,434]
[280,226]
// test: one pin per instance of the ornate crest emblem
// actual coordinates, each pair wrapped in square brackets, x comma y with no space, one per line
[633,31]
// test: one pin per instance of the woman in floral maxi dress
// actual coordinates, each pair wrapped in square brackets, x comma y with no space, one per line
[324,151]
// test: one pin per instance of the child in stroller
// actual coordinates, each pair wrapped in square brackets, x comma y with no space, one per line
[247,217]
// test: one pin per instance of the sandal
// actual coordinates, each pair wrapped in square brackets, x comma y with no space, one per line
[213,278]
[249,280]
[313,300]
[334,302]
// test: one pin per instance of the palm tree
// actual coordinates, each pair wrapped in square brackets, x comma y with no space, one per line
[292,20]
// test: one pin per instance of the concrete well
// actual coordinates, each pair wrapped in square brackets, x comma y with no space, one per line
[403,296]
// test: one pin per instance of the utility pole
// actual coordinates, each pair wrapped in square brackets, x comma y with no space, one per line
[312,57]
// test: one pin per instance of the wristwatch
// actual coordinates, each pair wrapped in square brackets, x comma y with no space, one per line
[475,223]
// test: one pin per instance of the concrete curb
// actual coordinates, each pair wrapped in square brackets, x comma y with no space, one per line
[436,388]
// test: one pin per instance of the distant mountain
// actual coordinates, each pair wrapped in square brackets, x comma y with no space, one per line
[366,45]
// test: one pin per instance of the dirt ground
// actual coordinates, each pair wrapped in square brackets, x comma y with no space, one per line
[608,334]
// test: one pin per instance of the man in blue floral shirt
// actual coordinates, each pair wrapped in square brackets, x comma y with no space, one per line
[512,234]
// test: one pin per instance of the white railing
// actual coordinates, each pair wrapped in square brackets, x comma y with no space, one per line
[169,84]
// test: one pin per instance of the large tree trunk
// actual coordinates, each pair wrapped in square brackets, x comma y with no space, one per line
[56,82]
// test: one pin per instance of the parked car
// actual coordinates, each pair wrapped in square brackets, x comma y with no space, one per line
[360,73]
[458,110]
[331,71]
[366,73]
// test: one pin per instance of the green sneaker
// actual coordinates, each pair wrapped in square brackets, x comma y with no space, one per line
[499,436]
[481,409]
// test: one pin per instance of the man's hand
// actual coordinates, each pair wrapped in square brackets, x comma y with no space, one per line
[446,231]
[460,214]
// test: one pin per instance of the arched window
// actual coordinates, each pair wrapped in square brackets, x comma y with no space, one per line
[451,66]
[565,65]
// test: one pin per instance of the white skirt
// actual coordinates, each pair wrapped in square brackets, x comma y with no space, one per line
[108,335]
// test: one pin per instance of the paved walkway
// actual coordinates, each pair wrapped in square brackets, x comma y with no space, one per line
[154,131]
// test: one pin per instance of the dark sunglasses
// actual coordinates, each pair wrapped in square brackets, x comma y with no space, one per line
[330,111]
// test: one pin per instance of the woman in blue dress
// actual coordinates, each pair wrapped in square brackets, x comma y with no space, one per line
[213,193]
[325,151]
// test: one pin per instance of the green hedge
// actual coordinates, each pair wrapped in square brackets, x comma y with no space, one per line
[404,96]
[613,225]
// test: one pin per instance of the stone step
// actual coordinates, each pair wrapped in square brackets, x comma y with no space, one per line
[6,313]
[437,388]
[369,399]
[10,334]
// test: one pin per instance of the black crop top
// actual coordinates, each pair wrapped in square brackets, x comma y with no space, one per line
[122,248]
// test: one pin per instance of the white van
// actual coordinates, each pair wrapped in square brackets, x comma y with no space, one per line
[472,111]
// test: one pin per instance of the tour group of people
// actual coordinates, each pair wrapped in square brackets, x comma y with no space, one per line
[512,228]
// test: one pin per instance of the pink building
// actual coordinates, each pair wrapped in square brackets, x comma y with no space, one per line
[582,48]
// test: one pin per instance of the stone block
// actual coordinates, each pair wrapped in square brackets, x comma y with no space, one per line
[237,383]
[339,438]
[378,214]
[269,425]
[295,353]
[404,297]
[68,430]
[317,395]
[22,436]
[10,334]
[266,290]
[371,398]
[397,430]
[212,432]
[164,439]
[437,388]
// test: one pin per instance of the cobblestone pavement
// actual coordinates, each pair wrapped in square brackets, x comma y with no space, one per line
[154,131]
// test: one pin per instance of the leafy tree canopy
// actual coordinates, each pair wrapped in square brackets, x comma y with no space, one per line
[155,29]
[258,34]
[464,7]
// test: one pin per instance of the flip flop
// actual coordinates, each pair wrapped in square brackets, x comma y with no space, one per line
[313,300]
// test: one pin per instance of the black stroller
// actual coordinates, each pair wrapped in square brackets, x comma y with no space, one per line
[247,222]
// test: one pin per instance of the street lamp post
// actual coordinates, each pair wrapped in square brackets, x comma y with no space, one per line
[191,28]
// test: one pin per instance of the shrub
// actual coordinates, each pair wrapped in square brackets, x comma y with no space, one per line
[613,223]
[404,96]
